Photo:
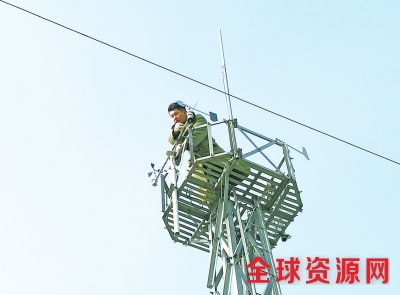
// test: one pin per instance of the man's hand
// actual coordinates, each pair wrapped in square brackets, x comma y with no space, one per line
[178,154]
[178,127]
[179,149]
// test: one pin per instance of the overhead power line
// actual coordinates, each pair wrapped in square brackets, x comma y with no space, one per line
[201,83]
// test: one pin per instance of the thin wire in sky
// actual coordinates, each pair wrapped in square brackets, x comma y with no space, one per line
[201,83]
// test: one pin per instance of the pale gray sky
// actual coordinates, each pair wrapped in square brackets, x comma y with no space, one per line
[80,124]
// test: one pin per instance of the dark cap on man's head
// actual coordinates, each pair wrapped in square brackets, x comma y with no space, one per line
[174,106]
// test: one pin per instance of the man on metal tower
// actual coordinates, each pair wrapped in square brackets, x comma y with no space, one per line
[184,119]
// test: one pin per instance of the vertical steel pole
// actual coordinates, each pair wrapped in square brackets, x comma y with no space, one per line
[228,100]
[215,243]
[236,286]
[245,255]
[225,76]
[174,196]
[273,284]
[163,197]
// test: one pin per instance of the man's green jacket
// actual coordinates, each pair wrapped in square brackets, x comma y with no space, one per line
[200,138]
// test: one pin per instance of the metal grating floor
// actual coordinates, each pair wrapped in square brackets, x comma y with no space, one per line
[198,193]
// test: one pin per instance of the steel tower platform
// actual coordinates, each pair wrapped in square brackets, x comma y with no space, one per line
[231,207]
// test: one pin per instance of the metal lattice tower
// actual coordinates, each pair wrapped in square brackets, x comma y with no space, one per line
[230,205]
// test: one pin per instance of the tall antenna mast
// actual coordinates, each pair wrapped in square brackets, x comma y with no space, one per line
[225,77]
[232,123]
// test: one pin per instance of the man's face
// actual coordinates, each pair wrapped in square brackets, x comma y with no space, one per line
[178,115]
